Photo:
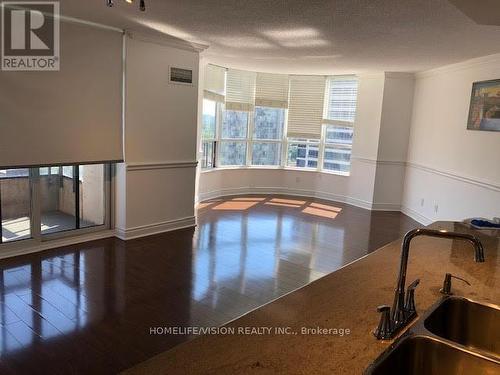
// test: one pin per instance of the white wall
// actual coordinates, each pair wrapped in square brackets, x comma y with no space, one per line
[393,140]
[452,173]
[156,185]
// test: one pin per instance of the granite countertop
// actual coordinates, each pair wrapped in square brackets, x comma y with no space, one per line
[345,299]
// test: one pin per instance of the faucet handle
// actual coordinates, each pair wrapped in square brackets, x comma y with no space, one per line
[385,326]
[446,289]
[410,308]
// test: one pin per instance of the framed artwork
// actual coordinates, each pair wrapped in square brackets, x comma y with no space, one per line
[484,110]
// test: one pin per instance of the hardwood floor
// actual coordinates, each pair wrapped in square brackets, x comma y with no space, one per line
[90,308]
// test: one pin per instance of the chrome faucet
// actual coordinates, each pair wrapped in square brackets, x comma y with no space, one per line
[403,311]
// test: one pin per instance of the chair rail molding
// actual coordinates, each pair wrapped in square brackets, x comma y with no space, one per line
[144,166]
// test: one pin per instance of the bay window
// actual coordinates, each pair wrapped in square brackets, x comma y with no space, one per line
[271,120]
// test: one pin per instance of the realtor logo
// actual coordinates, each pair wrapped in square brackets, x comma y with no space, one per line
[30,35]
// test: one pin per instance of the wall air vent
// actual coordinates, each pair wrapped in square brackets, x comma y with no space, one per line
[182,76]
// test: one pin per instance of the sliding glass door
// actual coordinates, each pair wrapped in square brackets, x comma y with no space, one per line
[54,201]
[15,204]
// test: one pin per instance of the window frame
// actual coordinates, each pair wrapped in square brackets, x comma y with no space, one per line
[220,139]
[215,139]
[325,143]
[297,141]
[253,140]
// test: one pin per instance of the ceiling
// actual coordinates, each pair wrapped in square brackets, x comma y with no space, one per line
[315,36]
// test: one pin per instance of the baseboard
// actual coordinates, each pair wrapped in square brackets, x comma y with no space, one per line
[416,216]
[156,228]
[23,250]
[285,191]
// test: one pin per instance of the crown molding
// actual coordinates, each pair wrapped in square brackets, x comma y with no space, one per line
[372,75]
[467,64]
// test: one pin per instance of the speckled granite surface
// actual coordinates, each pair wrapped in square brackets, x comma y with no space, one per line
[344,299]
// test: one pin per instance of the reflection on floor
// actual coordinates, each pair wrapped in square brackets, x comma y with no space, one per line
[89,308]
[51,222]
[16,229]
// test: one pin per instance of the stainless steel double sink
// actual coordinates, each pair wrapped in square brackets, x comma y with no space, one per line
[456,336]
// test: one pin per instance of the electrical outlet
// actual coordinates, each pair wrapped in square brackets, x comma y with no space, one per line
[422,202]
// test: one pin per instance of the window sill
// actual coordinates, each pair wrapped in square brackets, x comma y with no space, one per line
[274,168]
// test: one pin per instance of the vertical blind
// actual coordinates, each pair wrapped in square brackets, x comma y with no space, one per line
[342,99]
[272,90]
[305,109]
[240,95]
[215,83]
[69,116]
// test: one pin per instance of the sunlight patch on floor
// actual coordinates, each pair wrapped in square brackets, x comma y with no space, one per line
[235,206]
[250,199]
[281,204]
[288,201]
[320,212]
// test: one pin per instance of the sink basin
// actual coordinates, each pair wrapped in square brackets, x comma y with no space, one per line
[428,356]
[473,325]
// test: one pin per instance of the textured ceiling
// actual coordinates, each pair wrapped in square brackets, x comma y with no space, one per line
[313,36]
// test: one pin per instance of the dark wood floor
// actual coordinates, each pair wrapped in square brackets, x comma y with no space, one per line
[89,308]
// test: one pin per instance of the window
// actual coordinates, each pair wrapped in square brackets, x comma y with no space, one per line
[209,152]
[37,202]
[267,136]
[233,145]
[342,98]
[73,197]
[58,203]
[268,123]
[266,153]
[209,119]
[232,153]
[92,208]
[209,133]
[303,153]
[234,125]
[338,131]
[337,159]
[338,134]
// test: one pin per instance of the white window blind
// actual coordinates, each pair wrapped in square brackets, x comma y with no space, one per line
[69,116]
[240,90]
[342,100]
[272,90]
[305,110]
[215,83]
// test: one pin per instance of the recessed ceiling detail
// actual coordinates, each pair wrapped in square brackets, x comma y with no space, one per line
[483,12]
